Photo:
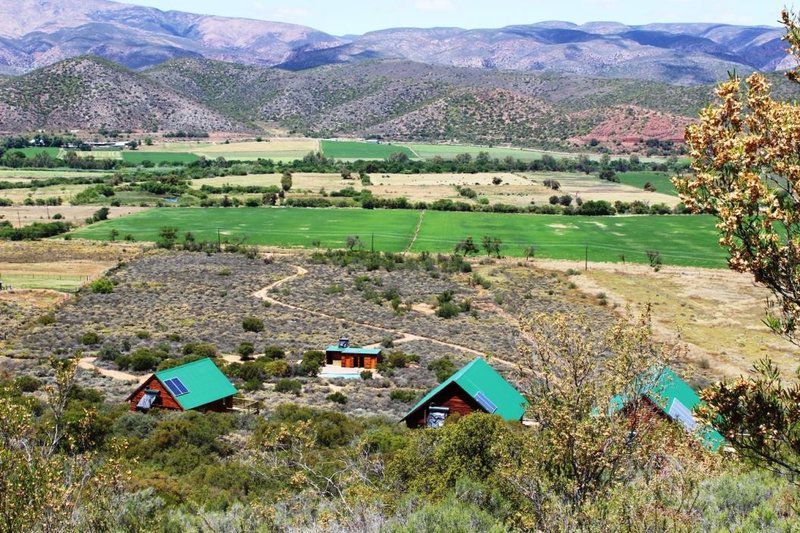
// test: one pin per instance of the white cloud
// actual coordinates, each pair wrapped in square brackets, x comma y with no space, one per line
[435,5]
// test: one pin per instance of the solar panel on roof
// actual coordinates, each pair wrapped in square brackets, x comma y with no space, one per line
[485,402]
[176,386]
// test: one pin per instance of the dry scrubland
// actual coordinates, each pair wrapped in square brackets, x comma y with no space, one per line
[519,189]
[201,298]
[172,298]
[715,314]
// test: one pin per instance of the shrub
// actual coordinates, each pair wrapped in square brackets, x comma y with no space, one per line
[27,383]
[245,350]
[253,324]
[109,353]
[443,368]
[277,369]
[46,319]
[447,310]
[144,335]
[201,350]
[102,286]
[400,360]
[289,386]
[366,374]
[90,338]
[140,360]
[403,395]
[337,397]
[312,361]
[273,353]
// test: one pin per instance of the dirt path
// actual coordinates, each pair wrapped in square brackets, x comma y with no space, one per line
[416,232]
[87,363]
[400,336]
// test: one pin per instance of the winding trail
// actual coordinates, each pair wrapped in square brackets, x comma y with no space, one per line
[400,336]
[88,363]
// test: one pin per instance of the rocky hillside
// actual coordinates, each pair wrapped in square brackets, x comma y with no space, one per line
[90,93]
[413,101]
[35,33]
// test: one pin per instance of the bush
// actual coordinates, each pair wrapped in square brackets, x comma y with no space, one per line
[141,360]
[201,350]
[253,324]
[289,386]
[273,353]
[337,397]
[400,360]
[90,338]
[245,350]
[366,374]
[27,383]
[447,310]
[311,363]
[109,353]
[102,286]
[443,368]
[277,369]
[403,395]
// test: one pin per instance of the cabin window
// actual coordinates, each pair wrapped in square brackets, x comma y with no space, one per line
[437,416]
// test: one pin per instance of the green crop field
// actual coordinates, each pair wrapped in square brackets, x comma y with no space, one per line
[32,151]
[158,157]
[659,180]
[362,150]
[680,240]
[449,151]
[276,227]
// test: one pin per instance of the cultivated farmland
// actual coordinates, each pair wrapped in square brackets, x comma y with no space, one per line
[362,150]
[158,157]
[679,240]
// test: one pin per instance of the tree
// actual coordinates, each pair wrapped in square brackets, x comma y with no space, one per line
[352,242]
[466,247]
[529,251]
[744,161]
[286,181]
[167,237]
[492,245]
[113,234]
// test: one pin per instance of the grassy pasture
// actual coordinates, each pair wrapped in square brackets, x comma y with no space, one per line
[275,149]
[659,180]
[20,174]
[276,227]
[158,157]
[32,151]
[681,240]
[685,240]
[362,150]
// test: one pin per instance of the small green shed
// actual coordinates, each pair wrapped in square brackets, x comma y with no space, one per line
[673,398]
[199,385]
[476,387]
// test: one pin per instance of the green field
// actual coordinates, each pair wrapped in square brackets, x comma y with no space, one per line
[681,240]
[158,157]
[362,150]
[449,151]
[277,227]
[662,182]
[32,151]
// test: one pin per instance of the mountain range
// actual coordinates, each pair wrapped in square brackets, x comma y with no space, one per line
[36,33]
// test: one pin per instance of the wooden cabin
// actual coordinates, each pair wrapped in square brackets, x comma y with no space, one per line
[476,387]
[350,357]
[199,385]
[667,396]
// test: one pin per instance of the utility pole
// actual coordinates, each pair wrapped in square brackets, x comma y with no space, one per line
[586,259]
[19,219]
[219,241]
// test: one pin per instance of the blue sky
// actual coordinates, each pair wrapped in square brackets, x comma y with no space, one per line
[359,16]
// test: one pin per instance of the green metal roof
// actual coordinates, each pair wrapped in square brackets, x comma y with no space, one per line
[677,400]
[206,383]
[479,377]
[354,351]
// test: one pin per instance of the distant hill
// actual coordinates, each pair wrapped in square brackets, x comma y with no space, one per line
[413,101]
[91,93]
[394,99]
[36,33]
